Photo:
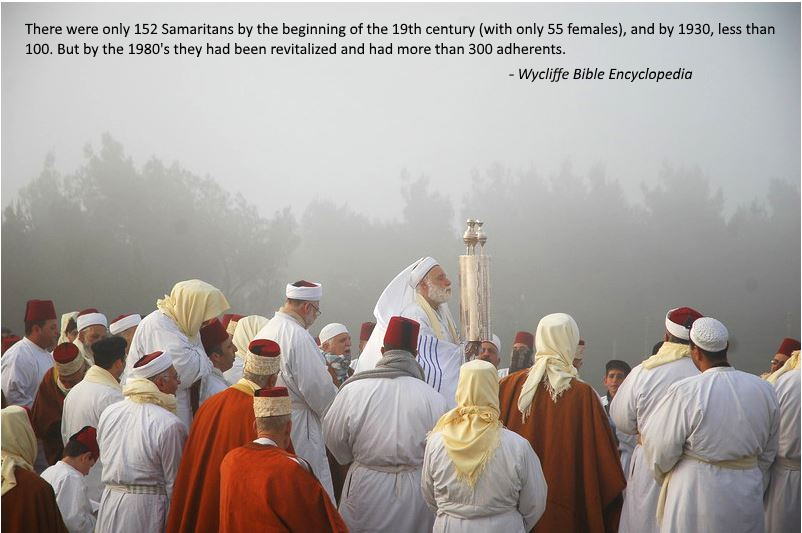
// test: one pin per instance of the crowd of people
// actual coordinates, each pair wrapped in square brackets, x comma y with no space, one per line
[196,419]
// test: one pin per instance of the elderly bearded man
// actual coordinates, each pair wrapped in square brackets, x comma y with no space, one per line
[335,342]
[92,326]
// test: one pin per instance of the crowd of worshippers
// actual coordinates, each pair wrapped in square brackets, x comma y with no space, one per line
[195,419]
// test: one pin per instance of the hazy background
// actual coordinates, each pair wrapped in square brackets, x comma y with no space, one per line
[611,201]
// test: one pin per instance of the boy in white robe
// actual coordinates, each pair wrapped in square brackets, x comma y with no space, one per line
[221,352]
[67,477]
[711,440]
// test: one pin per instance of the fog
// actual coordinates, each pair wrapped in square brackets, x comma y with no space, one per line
[611,201]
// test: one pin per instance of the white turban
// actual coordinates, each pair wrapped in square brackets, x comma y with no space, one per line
[91,319]
[126,322]
[421,268]
[495,342]
[153,368]
[709,334]
[309,294]
[330,331]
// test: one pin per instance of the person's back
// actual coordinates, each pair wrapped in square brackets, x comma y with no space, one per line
[782,500]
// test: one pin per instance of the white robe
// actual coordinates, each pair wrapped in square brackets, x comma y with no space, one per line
[157,332]
[304,373]
[630,410]
[140,444]
[211,384]
[380,426]
[782,500]
[721,415]
[22,368]
[83,406]
[73,502]
[509,496]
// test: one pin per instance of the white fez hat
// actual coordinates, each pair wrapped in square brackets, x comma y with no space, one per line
[709,334]
[263,357]
[419,271]
[123,322]
[151,365]
[90,317]
[308,291]
[330,331]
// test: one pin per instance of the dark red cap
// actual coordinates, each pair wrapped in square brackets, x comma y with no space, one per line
[402,334]
[264,347]
[212,334]
[304,283]
[88,437]
[228,317]
[65,352]
[524,337]
[88,311]
[9,341]
[788,345]
[39,310]
[272,392]
[147,359]
[366,330]
[581,342]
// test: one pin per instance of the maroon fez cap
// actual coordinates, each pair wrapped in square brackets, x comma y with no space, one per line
[39,310]
[788,345]
[684,316]
[212,334]
[271,392]
[228,317]
[524,337]
[9,341]
[88,437]
[264,347]
[65,352]
[367,329]
[147,359]
[402,334]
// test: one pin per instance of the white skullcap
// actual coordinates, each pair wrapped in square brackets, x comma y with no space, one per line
[495,342]
[330,331]
[124,322]
[425,264]
[91,319]
[709,334]
[313,293]
[154,366]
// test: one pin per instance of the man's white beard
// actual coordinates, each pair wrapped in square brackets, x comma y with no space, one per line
[439,295]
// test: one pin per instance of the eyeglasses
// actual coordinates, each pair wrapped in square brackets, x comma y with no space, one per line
[316,308]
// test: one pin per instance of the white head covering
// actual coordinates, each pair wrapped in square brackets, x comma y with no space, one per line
[18,444]
[330,331]
[246,331]
[158,365]
[421,268]
[191,303]
[91,319]
[124,323]
[709,334]
[65,318]
[310,294]
[556,339]
[496,342]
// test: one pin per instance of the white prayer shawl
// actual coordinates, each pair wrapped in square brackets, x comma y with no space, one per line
[82,407]
[211,384]
[303,372]
[140,444]
[70,488]
[631,408]
[509,495]
[721,415]
[22,368]
[782,500]
[158,332]
[380,426]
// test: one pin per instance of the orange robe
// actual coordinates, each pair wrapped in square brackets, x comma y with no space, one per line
[30,506]
[263,489]
[577,451]
[46,416]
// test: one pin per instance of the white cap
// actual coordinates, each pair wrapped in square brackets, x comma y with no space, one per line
[709,334]
[330,331]
[425,264]
[495,342]
[312,292]
[91,319]
[124,322]
[156,365]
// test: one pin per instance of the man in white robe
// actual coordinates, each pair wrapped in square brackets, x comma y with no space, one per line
[304,373]
[92,326]
[421,292]
[711,440]
[141,441]
[220,350]
[175,325]
[125,326]
[378,422]
[634,403]
[477,475]
[23,366]
[67,477]
[782,499]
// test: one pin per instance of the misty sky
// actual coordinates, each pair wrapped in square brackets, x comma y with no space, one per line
[285,130]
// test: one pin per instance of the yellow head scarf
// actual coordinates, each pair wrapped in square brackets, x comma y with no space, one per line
[246,330]
[471,432]
[65,318]
[556,338]
[191,303]
[18,444]
[791,364]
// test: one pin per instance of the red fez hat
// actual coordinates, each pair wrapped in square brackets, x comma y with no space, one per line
[788,345]
[9,341]
[147,359]
[402,334]
[264,347]
[39,310]
[88,437]
[212,334]
[228,317]
[524,337]
[680,320]
[272,392]
[367,329]
[65,352]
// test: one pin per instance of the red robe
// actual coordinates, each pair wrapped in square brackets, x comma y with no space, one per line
[46,416]
[30,506]
[263,489]
[577,451]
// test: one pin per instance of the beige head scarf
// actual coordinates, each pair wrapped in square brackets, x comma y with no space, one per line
[246,330]
[791,364]
[471,432]
[191,303]
[65,318]
[18,444]
[556,339]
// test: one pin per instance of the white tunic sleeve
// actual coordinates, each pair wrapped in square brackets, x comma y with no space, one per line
[624,408]
[427,479]
[532,499]
[171,441]
[311,377]
[74,505]
[667,430]
[336,430]
[766,458]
